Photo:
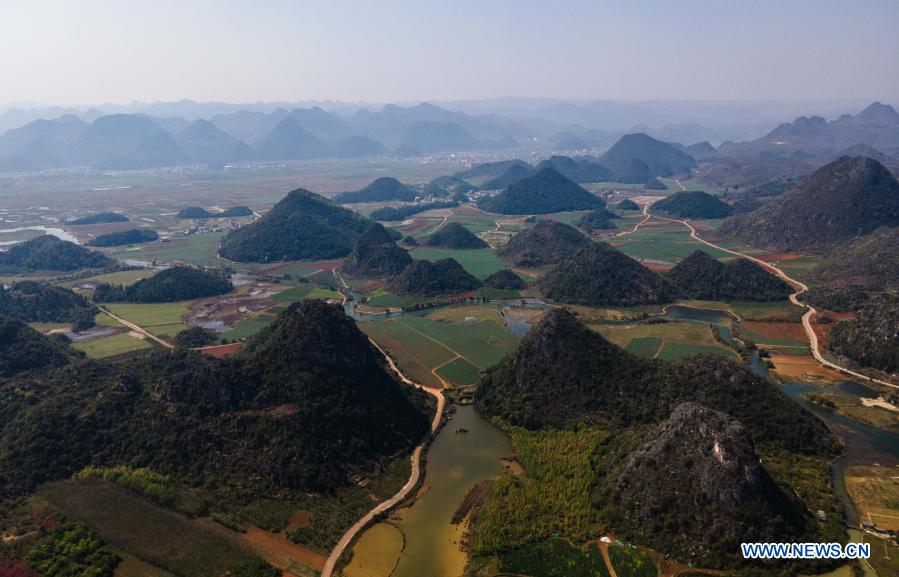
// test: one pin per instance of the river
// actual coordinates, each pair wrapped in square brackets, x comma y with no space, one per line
[864,444]
[57,232]
[456,461]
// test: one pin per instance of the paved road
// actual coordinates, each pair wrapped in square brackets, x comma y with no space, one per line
[794,298]
[351,533]
[138,329]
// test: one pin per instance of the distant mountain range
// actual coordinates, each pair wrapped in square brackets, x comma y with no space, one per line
[647,142]
[140,141]
[872,131]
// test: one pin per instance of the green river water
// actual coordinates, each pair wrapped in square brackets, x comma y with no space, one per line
[457,461]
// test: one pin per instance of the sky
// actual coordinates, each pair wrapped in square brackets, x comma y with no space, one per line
[80,52]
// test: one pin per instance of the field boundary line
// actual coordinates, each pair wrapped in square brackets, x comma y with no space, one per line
[137,328]
[455,352]
[800,288]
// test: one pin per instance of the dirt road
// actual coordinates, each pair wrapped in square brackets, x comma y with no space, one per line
[137,329]
[794,298]
[401,495]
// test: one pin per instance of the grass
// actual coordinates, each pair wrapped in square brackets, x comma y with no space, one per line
[121,277]
[875,492]
[384,299]
[663,243]
[292,294]
[666,341]
[777,311]
[851,406]
[484,343]
[478,262]
[162,319]
[460,372]
[415,356]
[324,294]
[198,249]
[189,547]
[421,344]
[111,346]
[104,320]
[248,327]
[47,327]
[497,294]
[674,351]
[645,347]
[799,267]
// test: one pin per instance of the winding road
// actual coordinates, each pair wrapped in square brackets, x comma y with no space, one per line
[800,287]
[410,485]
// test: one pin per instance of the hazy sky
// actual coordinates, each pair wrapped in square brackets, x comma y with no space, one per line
[79,52]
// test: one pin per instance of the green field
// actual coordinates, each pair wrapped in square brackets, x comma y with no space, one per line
[568,218]
[484,343]
[673,351]
[299,293]
[646,347]
[420,344]
[162,319]
[384,299]
[666,341]
[122,277]
[298,269]
[460,372]
[414,355]
[497,294]
[664,243]
[189,547]
[247,327]
[198,249]
[479,262]
[112,345]
[799,267]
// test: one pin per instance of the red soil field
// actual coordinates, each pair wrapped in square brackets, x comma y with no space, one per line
[777,330]
[776,256]
[418,225]
[278,550]
[221,351]
[656,266]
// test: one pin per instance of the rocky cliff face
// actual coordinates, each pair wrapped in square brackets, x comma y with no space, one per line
[701,461]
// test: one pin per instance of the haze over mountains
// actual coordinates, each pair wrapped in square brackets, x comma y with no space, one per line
[184,133]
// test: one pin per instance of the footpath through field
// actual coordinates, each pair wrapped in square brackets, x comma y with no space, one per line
[385,506]
[137,328]
[800,287]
